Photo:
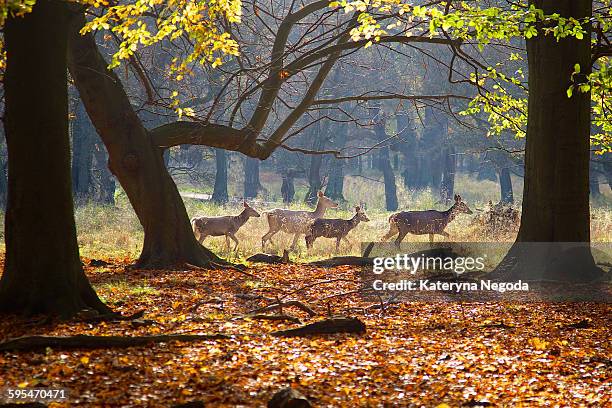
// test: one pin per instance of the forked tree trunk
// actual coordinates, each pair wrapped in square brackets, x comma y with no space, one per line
[135,161]
[219,195]
[42,272]
[556,193]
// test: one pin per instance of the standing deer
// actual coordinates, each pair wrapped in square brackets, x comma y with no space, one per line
[424,222]
[294,221]
[334,228]
[226,225]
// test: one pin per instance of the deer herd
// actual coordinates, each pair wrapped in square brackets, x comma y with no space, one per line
[312,225]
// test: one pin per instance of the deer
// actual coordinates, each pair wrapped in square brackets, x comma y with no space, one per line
[226,225]
[430,222]
[294,221]
[334,228]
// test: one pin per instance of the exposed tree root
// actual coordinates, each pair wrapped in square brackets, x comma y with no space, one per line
[327,326]
[93,342]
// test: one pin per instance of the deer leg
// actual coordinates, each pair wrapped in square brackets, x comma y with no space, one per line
[399,238]
[345,239]
[227,244]
[392,231]
[267,237]
[295,240]
[431,238]
[233,237]
[445,234]
[338,244]
[201,239]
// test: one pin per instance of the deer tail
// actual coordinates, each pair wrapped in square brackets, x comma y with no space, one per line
[194,226]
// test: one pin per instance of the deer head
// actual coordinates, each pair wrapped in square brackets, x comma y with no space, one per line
[361,216]
[460,206]
[250,212]
[326,202]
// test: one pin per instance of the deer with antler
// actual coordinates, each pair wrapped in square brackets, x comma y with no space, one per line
[430,222]
[294,221]
[226,225]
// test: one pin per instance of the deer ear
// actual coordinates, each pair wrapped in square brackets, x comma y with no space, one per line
[357,209]
[320,193]
[456,197]
[244,203]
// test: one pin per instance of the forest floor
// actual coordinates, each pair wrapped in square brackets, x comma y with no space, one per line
[430,354]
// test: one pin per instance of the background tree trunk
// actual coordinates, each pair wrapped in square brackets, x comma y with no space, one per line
[252,185]
[219,195]
[556,192]
[319,136]
[42,272]
[83,142]
[447,184]
[384,162]
[505,186]
[335,181]
[105,191]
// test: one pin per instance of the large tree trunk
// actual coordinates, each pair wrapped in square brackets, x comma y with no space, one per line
[42,272]
[556,193]
[135,161]
[83,141]
[219,195]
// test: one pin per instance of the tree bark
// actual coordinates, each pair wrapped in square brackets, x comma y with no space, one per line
[135,160]
[219,195]
[556,193]
[42,273]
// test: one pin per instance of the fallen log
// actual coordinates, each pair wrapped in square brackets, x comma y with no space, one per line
[327,326]
[28,343]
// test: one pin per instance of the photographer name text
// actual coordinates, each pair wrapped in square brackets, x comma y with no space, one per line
[427,285]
